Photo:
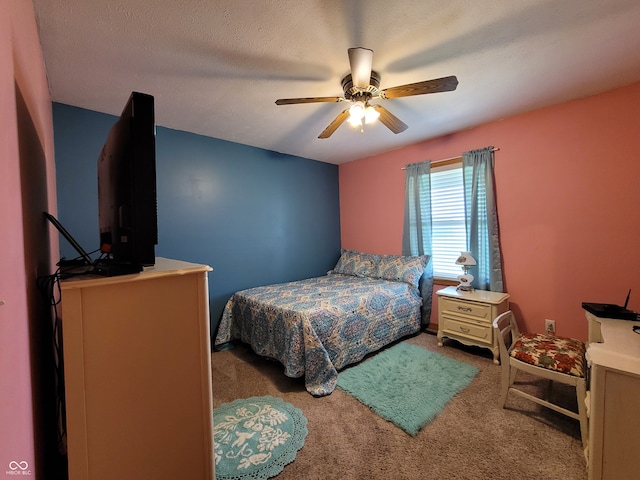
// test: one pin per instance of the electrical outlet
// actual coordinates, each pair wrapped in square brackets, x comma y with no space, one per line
[550,326]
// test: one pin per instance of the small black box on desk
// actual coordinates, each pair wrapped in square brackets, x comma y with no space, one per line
[609,310]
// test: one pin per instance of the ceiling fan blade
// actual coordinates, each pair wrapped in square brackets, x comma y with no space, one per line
[339,120]
[445,84]
[392,122]
[292,101]
[361,61]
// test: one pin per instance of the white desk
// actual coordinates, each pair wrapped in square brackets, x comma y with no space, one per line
[613,353]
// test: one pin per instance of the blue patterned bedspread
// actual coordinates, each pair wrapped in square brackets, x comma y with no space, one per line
[317,326]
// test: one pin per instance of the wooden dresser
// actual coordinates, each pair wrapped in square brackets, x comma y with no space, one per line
[137,365]
[468,317]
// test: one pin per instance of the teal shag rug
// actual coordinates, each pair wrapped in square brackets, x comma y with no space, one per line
[255,438]
[407,384]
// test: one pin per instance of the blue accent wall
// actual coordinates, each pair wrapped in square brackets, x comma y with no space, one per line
[255,216]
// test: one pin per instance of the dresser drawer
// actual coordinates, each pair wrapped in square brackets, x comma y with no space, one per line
[479,311]
[476,332]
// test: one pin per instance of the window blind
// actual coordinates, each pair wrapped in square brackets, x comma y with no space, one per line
[449,235]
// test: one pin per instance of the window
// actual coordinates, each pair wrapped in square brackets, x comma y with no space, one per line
[449,235]
[438,226]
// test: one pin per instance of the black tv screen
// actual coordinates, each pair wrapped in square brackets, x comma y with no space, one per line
[127,202]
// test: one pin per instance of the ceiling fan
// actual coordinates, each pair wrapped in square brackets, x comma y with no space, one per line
[362,85]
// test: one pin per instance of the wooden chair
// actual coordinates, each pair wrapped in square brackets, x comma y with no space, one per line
[555,358]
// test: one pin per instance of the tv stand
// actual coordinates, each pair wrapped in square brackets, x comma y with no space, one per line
[137,366]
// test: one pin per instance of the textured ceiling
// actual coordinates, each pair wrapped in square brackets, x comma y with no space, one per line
[216,67]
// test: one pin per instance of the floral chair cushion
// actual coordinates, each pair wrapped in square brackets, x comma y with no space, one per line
[565,355]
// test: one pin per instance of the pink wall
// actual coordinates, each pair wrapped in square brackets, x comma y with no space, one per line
[26,185]
[567,180]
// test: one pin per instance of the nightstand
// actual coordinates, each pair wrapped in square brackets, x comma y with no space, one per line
[468,316]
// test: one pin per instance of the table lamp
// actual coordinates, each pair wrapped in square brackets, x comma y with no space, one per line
[465,260]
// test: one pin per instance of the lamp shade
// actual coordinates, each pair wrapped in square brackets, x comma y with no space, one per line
[465,258]
[370,114]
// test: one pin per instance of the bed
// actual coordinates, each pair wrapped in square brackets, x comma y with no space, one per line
[317,326]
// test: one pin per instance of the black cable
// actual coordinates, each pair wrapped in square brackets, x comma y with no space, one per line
[49,287]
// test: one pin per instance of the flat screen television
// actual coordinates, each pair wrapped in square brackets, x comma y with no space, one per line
[127,201]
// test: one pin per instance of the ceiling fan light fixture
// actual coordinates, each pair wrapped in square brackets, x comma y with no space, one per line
[357,110]
[370,114]
[361,112]
[356,113]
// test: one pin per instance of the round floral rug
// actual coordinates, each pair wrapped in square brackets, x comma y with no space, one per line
[255,438]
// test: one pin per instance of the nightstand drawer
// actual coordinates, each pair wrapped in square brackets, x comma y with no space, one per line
[476,332]
[477,310]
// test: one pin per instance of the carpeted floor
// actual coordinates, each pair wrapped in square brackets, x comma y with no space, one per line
[472,438]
